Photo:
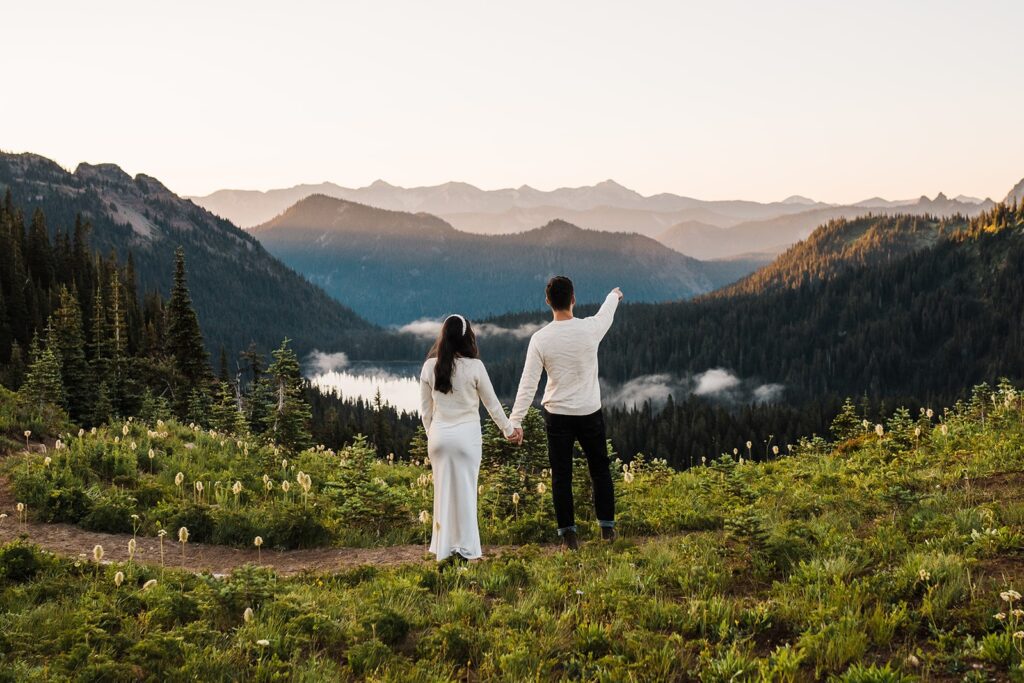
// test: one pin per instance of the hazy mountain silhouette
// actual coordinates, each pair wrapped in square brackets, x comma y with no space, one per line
[393,267]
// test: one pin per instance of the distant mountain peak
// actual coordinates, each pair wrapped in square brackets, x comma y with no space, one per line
[382,185]
[110,173]
[559,225]
[941,197]
[798,199]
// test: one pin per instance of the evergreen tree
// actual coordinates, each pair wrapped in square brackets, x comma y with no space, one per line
[102,407]
[184,339]
[223,376]
[224,414]
[198,410]
[847,423]
[39,252]
[43,384]
[66,339]
[289,412]
[14,372]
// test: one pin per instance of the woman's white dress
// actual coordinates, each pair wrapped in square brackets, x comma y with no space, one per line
[454,445]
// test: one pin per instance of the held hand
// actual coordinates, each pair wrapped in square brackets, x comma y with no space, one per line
[618,292]
[516,436]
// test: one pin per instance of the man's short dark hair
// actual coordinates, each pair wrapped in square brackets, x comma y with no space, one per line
[559,291]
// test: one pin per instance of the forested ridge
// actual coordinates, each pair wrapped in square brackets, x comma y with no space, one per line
[77,335]
[241,293]
[911,330]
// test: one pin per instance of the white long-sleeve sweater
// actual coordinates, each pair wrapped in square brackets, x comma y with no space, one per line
[471,386]
[567,351]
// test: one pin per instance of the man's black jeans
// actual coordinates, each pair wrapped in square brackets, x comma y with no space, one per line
[563,433]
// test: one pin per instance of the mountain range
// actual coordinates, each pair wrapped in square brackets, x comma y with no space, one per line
[697,228]
[241,293]
[395,266]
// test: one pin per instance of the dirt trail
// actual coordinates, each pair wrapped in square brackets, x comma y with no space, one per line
[71,541]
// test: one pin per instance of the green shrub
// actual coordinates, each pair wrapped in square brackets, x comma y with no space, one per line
[386,625]
[196,518]
[111,512]
[295,526]
[19,562]
[69,505]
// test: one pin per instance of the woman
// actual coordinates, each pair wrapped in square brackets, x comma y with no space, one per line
[452,385]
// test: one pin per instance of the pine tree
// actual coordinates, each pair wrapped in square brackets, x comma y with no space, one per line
[66,339]
[290,413]
[847,423]
[14,373]
[43,384]
[102,407]
[223,376]
[198,410]
[184,339]
[224,414]
[39,252]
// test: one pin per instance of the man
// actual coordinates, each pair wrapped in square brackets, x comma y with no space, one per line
[566,348]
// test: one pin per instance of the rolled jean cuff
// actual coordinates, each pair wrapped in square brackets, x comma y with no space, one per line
[561,532]
[605,524]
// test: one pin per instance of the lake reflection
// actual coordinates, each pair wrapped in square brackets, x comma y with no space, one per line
[398,383]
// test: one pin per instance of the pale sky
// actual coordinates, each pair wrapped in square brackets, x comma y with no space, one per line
[716,100]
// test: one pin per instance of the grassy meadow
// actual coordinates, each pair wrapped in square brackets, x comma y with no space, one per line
[893,552]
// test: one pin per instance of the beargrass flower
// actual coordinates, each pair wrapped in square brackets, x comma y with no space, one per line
[263,642]
[118,579]
[247,615]
[628,477]
[880,430]
[149,584]
[47,461]
[97,552]
[541,488]
[424,517]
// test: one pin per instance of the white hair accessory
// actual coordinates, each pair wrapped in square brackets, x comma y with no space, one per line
[461,319]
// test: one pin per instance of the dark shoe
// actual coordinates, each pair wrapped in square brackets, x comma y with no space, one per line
[570,540]
[608,533]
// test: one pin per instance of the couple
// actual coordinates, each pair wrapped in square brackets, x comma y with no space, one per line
[454,382]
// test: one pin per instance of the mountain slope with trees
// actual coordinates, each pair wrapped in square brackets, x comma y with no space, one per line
[914,330]
[393,267]
[241,293]
[844,244]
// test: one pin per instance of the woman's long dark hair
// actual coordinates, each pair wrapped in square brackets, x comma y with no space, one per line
[451,343]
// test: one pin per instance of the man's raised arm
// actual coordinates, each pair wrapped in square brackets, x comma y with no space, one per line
[606,314]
